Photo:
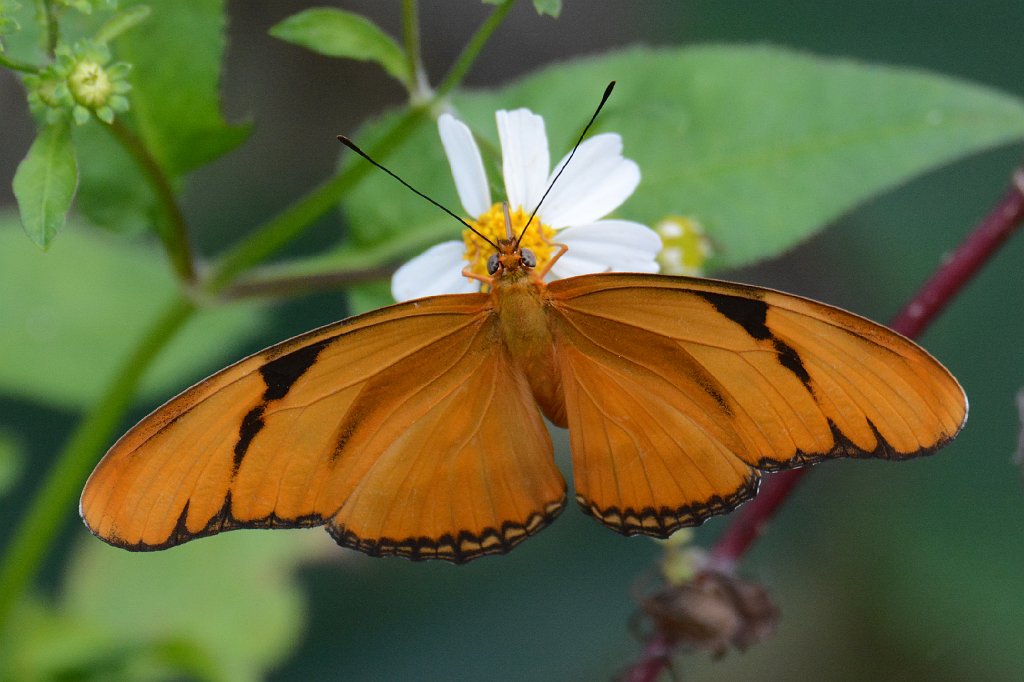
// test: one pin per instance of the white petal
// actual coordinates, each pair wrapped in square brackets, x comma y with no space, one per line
[597,181]
[607,246]
[466,164]
[524,157]
[438,270]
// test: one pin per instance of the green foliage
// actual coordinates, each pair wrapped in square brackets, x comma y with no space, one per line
[550,7]
[87,6]
[81,307]
[53,645]
[121,22]
[175,96]
[337,33]
[95,87]
[762,145]
[19,29]
[175,113]
[79,83]
[45,183]
[8,24]
[113,194]
[148,616]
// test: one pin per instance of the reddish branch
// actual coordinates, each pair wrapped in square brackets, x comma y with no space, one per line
[751,520]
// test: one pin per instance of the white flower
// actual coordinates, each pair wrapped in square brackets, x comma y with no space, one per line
[597,181]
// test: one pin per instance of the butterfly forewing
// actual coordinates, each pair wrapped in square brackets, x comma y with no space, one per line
[377,426]
[679,390]
[415,430]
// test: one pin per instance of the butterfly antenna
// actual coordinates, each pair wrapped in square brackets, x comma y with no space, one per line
[604,98]
[352,145]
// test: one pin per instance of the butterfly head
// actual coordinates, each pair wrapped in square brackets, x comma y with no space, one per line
[510,257]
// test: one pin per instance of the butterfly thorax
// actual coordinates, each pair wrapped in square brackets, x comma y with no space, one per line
[519,298]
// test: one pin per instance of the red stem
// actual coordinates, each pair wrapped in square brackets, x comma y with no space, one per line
[751,520]
[967,260]
[983,241]
[657,655]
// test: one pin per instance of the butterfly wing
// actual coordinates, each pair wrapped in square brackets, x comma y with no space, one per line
[391,428]
[679,391]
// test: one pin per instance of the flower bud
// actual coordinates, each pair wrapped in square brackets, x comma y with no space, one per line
[90,85]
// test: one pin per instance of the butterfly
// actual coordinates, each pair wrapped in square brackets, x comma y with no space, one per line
[418,430]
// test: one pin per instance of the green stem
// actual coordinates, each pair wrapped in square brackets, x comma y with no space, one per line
[280,230]
[15,65]
[49,510]
[38,528]
[418,85]
[296,285]
[51,29]
[472,50]
[173,231]
[272,235]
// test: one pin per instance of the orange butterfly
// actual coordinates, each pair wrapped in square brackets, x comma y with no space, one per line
[416,430]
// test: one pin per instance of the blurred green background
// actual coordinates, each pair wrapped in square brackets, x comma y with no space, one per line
[882,571]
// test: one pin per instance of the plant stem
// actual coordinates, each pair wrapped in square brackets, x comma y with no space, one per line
[15,65]
[49,509]
[472,50]
[934,295]
[285,227]
[418,85]
[279,231]
[656,656]
[174,231]
[295,285]
[51,29]
[988,236]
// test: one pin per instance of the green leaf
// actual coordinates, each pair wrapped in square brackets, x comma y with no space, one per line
[72,315]
[175,101]
[50,644]
[113,193]
[542,7]
[337,33]
[550,7]
[121,22]
[175,110]
[363,298]
[22,42]
[45,182]
[763,146]
[235,596]
[223,609]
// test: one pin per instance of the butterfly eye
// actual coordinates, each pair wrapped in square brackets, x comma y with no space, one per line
[529,258]
[492,264]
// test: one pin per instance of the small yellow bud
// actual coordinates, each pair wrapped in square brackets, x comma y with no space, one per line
[89,84]
[685,247]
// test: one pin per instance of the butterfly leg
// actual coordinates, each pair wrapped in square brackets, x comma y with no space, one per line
[468,274]
[562,248]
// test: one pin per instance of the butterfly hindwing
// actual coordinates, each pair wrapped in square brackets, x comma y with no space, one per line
[679,391]
[387,427]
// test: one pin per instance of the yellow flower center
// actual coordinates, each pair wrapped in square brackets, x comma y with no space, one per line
[492,225]
[90,84]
